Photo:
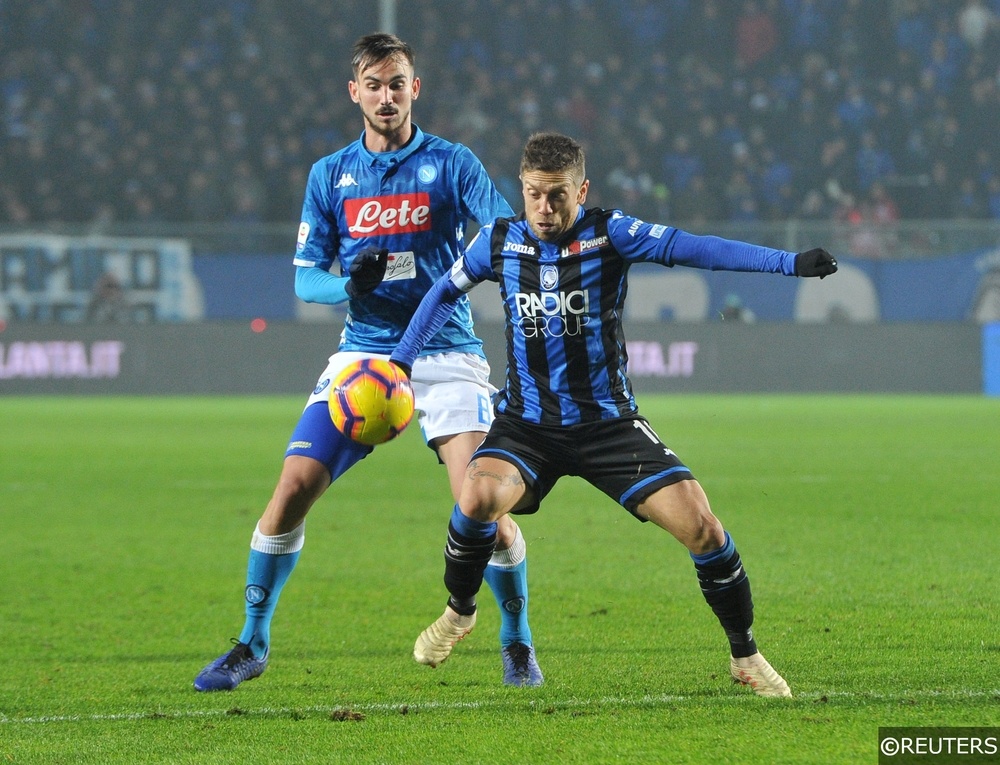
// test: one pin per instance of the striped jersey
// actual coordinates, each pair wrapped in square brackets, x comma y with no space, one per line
[563,302]
[415,202]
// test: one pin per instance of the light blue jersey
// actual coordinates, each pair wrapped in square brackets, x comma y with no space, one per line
[415,202]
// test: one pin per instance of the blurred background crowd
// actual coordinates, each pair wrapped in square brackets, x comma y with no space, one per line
[691,111]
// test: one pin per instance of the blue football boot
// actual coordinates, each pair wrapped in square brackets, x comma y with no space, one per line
[231,669]
[519,665]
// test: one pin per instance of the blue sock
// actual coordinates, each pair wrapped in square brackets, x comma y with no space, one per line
[470,528]
[267,573]
[507,577]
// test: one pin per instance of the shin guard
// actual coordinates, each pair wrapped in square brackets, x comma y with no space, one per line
[725,585]
[466,555]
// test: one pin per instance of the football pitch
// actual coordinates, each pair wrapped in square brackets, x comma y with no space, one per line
[867,525]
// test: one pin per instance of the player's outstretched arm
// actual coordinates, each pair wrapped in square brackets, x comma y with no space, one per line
[815,262]
[437,305]
[717,254]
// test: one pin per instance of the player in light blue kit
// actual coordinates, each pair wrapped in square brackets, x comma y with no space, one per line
[390,210]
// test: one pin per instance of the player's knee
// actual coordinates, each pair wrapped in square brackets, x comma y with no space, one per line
[704,531]
[706,534]
[506,532]
[479,507]
[683,510]
[301,482]
[481,502]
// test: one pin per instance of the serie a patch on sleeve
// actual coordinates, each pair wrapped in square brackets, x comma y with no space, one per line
[300,243]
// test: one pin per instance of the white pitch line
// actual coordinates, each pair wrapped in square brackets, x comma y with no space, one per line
[405,706]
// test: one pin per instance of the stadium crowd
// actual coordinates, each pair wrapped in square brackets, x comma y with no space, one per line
[690,110]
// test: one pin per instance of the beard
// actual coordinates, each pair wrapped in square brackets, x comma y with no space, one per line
[386,127]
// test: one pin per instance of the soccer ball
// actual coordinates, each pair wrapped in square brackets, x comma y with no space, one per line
[371,401]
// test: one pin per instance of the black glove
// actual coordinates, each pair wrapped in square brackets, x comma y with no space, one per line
[405,367]
[816,262]
[367,271]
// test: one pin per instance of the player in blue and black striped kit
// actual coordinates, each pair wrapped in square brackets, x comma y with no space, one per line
[567,407]
[390,211]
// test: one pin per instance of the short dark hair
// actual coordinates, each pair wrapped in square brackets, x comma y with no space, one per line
[380,46]
[553,153]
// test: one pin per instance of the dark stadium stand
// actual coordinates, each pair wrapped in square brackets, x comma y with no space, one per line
[119,111]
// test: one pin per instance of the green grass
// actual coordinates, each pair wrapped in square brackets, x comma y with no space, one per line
[866,523]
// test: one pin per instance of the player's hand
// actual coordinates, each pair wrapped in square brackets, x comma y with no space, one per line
[815,262]
[407,369]
[367,271]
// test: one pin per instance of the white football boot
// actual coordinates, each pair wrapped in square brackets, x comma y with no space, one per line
[759,675]
[435,643]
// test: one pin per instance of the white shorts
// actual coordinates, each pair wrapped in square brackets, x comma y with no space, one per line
[452,391]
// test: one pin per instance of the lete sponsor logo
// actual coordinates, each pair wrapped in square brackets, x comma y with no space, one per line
[394,214]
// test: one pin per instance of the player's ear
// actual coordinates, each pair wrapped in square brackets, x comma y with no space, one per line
[352,88]
[415,88]
[581,196]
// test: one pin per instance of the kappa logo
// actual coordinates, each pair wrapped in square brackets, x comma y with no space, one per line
[346,179]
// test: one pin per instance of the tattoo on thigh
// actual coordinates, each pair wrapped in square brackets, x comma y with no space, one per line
[475,471]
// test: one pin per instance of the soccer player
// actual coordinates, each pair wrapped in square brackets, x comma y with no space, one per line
[567,407]
[390,209]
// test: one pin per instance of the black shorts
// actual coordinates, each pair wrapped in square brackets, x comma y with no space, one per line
[622,457]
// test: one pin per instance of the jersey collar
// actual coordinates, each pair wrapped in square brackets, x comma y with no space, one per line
[396,157]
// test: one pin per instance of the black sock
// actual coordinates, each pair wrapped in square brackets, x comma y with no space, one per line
[465,560]
[725,585]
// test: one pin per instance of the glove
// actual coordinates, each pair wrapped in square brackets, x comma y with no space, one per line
[367,271]
[407,369]
[815,262]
